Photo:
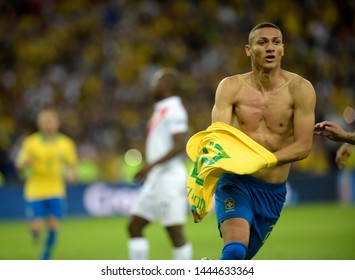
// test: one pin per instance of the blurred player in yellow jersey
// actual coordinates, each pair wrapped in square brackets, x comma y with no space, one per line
[48,159]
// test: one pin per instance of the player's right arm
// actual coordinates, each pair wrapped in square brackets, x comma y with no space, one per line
[24,158]
[223,107]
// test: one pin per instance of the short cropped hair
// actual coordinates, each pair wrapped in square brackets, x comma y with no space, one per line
[262,25]
[172,76]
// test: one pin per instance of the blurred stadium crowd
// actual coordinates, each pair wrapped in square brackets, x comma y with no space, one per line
[93,59]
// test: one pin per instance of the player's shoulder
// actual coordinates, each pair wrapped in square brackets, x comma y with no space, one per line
[295,79]
[177,103]
[233,82]
[33,137]
[65,138]
[299,87]
[236,78]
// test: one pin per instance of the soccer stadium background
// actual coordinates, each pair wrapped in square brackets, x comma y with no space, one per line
[93,61]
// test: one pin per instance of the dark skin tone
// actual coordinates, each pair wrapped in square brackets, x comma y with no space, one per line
[163,86]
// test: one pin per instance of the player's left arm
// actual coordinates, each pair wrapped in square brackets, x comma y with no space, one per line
[71,174]
[179,140]
[71,162]
[303,124]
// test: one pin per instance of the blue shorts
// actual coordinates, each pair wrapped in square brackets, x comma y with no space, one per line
[257,201]
[38,209]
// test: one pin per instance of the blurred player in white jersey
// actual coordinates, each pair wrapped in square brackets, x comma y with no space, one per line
[163,194]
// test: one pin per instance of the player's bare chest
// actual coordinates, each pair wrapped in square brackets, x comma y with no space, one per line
[274,99]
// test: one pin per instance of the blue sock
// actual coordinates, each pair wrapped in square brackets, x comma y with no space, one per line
[49,245]
[234,251]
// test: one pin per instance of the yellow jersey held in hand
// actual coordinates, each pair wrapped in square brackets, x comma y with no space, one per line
[221,148]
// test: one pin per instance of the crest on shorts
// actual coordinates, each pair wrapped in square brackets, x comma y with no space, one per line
[229,203]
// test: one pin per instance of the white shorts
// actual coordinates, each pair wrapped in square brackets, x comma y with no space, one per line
[163,196]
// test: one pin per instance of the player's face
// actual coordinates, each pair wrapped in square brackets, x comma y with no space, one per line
[48,122]
[157,86]
[266,48]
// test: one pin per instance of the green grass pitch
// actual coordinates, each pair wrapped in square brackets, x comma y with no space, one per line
[304,232]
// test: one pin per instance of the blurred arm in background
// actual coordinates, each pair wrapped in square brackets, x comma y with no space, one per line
[334,132]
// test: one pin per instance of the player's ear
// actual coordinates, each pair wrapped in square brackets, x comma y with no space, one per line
[247,50]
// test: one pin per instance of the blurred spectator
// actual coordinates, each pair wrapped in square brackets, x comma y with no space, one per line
[93,58]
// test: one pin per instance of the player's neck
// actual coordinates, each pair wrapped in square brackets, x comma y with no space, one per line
[266,80]
[49,136]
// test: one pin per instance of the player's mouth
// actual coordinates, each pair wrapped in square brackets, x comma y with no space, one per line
[270,58]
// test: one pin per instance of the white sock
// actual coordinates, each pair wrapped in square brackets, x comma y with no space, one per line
[138,248]
[183,253]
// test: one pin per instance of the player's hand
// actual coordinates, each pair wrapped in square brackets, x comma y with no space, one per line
[142,174]
[330,130]
[71,175]
[196,216]
[25,162]
[342,155]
